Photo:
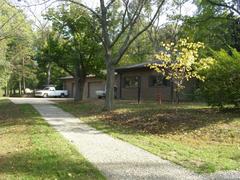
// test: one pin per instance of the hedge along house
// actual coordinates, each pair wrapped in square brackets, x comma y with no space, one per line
[142,83]
[92,84]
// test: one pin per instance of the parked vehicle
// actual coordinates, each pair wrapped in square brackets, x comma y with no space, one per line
[101,94]
[51,92]
[28,91]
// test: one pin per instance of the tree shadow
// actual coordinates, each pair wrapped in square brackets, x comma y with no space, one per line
[151,118]
[42,164]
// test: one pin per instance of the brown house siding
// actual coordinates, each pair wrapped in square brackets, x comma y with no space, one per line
[147,92]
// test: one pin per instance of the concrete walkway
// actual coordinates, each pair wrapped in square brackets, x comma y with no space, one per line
[115,158]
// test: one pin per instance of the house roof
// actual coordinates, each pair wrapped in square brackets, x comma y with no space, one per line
[136,66]
[123,68]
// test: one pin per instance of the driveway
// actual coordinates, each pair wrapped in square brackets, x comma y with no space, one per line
[38,100]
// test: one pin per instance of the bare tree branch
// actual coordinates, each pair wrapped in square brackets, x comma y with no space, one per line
[110,3]
[131,22]
[125,46]
[231,7]
[84,6]
[8,20]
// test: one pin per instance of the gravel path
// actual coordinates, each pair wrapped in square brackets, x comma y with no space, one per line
[115,158]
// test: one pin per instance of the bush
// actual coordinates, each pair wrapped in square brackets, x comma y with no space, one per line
[222,83]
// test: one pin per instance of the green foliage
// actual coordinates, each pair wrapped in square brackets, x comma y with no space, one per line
[71,41]
[16,39]
[221,86]
[140,51]
[215,26]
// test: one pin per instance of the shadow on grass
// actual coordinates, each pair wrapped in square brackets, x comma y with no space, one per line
[46,165]
[151,118]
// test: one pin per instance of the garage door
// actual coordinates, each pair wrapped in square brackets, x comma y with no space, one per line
[93,87]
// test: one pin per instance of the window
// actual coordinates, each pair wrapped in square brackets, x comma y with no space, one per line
[130,82]
[156,81]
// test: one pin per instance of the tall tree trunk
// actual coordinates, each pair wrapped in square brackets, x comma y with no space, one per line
[172,91]
[81,87]
[23,76]
[6,90]
[77,86]
[79,80]
[20,87]
[109,87]
[24,84]
[49,74]
[177,96]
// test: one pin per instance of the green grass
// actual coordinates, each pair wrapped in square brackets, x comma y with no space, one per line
[192,135]
[30,149]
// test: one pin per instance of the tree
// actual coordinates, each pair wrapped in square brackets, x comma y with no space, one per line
[72,46]
[140,51]
[221,86]
[118,21]
[217,27]
[181,62]
[170,31]
[232,5]
[16,46]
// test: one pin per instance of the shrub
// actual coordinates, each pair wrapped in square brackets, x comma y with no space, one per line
[222,80]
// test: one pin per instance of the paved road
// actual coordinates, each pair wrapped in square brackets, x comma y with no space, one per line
[115,158]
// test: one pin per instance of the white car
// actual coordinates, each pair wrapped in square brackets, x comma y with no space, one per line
[51,92]
[101,94]
[28,91]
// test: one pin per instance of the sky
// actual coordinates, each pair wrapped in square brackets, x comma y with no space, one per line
[34,9]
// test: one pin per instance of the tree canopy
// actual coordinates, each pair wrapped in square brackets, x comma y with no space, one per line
[16,41]
[71,44]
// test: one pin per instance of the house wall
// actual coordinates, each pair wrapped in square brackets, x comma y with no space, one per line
[68,84]
[147,92]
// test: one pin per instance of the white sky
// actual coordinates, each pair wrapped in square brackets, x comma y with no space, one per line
[38,8]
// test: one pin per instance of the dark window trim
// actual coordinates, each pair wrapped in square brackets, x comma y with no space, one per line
[164,81]
[130,76]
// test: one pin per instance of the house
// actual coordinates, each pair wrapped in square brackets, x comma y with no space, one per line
[92,84]
[138,81]
[134,82]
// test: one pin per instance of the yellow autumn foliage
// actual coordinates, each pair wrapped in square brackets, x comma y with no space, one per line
[181,61]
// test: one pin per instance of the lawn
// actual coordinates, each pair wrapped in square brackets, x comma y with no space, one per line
[30,149]
[193,135]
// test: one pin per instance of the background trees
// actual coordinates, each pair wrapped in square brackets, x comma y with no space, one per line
[72,46]
[16,49]
[122,31]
